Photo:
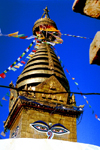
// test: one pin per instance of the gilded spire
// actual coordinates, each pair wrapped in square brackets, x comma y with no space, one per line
[46,13]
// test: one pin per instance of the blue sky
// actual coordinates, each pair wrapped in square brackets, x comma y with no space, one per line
[20,15]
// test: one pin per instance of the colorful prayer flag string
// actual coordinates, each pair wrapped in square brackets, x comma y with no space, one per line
[11,67]
[16,35]
[77,36]
[85,98]
[76,83]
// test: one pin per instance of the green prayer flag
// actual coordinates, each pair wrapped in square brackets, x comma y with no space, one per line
[1,104]
[60,61]
[13,69]
[76,83]
[8,94]
[20,35]
[29,46]
[90,106]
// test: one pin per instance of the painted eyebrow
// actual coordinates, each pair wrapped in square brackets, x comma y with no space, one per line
[58,124]
[40,121]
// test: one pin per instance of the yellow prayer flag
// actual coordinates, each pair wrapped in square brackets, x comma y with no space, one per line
[58,57]
[87,102]
[4,98]
[15,34]
[14,62]
[73,78]
[5,71]
[30,55]
[30,44]
[16,66]
[51,29]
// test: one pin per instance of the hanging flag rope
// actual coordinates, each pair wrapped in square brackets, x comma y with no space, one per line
[16,35]
[82,94]
[11,67]
[77,36]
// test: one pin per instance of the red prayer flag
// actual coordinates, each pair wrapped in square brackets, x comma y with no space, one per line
[23,62]
[96,116]
[2,75]
[23,37]
[33,50]
[81,93]
[67,70]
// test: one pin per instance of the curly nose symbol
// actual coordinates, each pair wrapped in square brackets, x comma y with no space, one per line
[49,134]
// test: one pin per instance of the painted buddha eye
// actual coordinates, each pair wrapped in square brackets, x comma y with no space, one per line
[59,129]
[40,126]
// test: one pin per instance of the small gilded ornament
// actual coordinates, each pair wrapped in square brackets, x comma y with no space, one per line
[43,95]
[52,86]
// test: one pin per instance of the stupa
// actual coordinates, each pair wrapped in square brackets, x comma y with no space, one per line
[42,106]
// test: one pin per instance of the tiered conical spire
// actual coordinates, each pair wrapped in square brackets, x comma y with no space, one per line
[44,63]
[40,67]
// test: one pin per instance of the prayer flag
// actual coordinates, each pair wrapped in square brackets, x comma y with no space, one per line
[1,104]
[20,35]
[3,134]
[34,51]
[22,54]
[30,37]
[36,46]
[28,57]
[13,69]
[19,64]
[76,83]
[84,97]
[31,44]
[9,68]
[60,61]
[5,71]
[23,62]
[58,57]
[18,58]
[51,43]
[16,66]
[67,70]
[87,102]
[90,106]
[92,111]
[53,48]
[23,37]
[7,94]
[96,116]
[73,78]
[14,62]
[98,119]
[27,50]
[2,75]
[4,98]
[15,34]
[81,93]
